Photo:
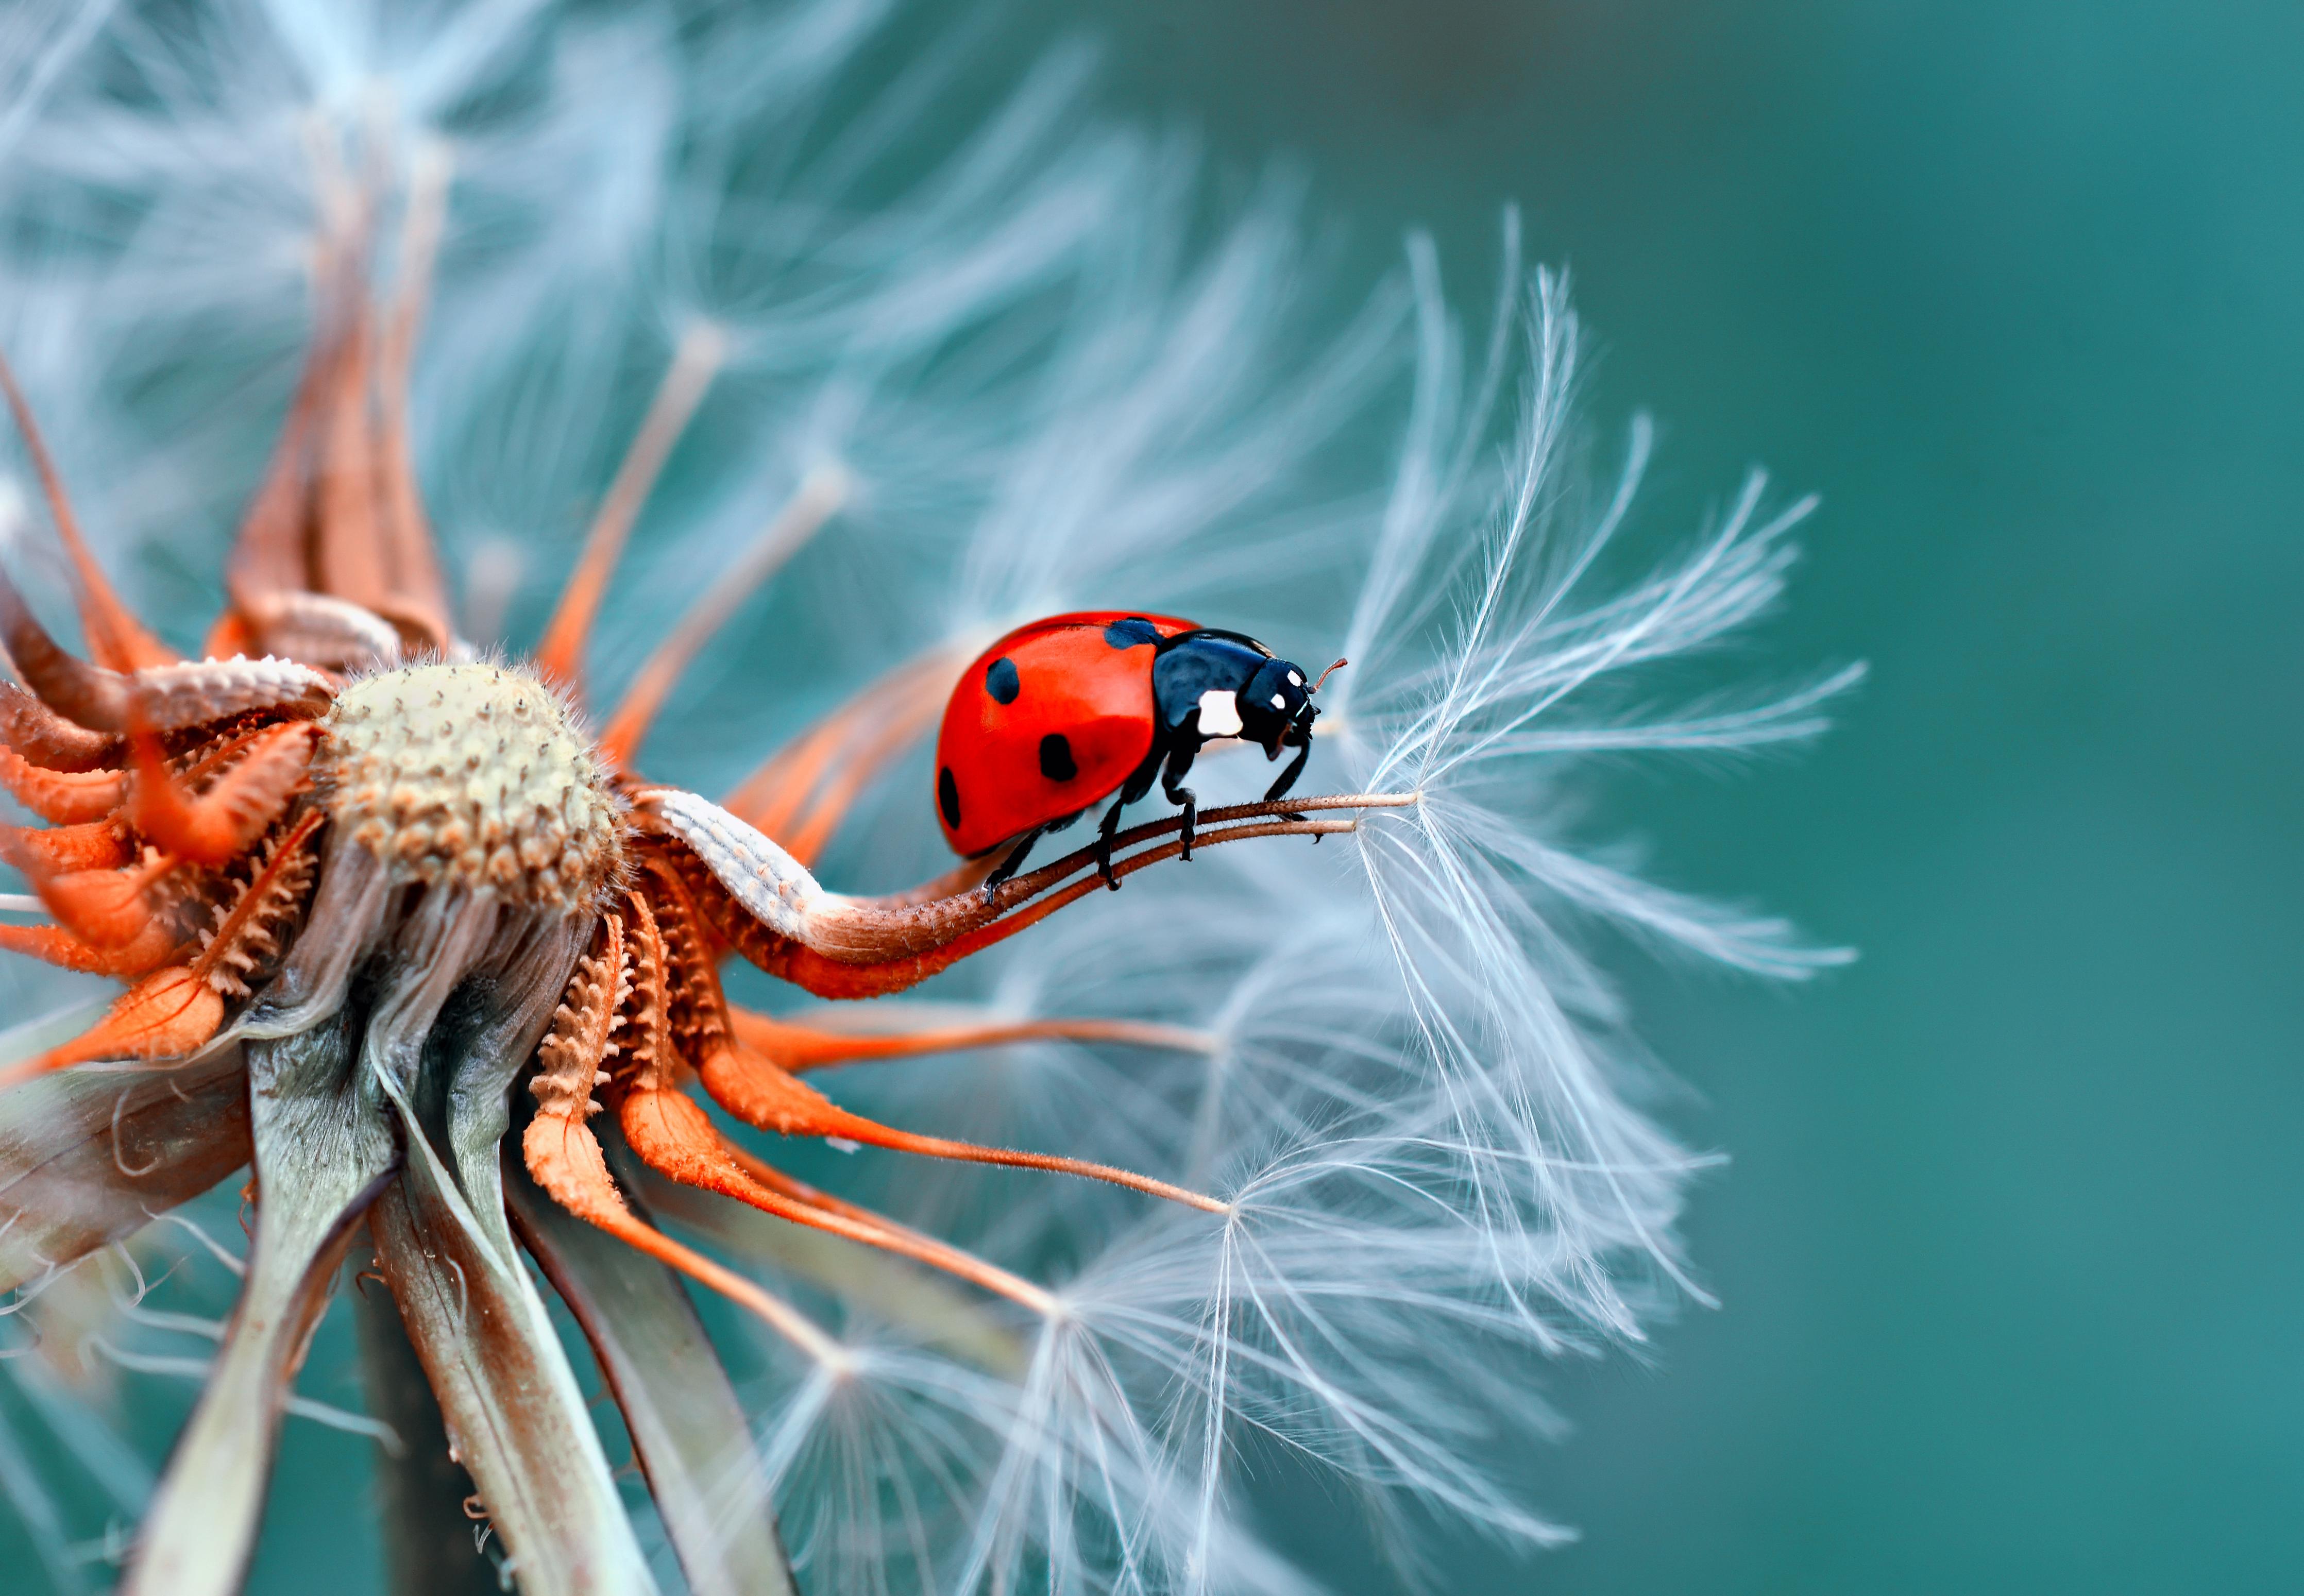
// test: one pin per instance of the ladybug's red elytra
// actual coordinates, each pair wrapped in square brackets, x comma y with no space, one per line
[1063,713]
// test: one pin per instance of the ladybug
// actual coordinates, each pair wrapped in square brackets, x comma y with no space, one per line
[1063,713]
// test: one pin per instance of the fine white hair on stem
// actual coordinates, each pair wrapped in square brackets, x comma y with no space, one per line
[1401,1057]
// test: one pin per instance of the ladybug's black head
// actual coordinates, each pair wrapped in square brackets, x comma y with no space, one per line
[1276,707]
[1235,688]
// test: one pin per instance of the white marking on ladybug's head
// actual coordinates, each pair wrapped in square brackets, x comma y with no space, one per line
[1295,678]
[1279,701]
[1219,714]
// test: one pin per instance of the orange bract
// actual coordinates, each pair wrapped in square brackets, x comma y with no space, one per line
[67,797]
[240,806]
[165,1015]
[115,636]
[53,850]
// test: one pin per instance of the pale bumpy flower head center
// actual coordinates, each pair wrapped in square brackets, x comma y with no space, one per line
[474,776]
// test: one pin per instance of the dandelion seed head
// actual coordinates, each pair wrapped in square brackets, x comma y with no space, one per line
[471,775]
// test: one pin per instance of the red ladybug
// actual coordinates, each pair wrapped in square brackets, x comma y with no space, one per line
[1063,713]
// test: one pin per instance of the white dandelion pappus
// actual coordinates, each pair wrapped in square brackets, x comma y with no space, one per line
[1446,1168]
[1391,1055]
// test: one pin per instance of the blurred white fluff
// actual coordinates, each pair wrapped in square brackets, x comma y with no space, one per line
[1418,1087]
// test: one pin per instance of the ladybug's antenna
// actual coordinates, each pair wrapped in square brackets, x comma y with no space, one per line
[1331,671]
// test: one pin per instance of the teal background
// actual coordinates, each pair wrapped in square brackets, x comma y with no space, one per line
[2007,1248]
[2008,1245]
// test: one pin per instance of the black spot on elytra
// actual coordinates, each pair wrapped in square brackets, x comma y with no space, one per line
[1000,681]
[1133,632]
[948,797]
[1057,757]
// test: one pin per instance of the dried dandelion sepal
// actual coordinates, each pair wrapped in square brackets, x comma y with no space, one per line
[515,1412]
[163,698]
[63,798]
[323,1152]
[89,1155]
[41,737]
[483,1336]
[689,1428]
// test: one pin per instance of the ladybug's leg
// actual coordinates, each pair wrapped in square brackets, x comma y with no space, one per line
[1279,790]
[1172,782]
[1104,835]
[1007,867]
[1140,782]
